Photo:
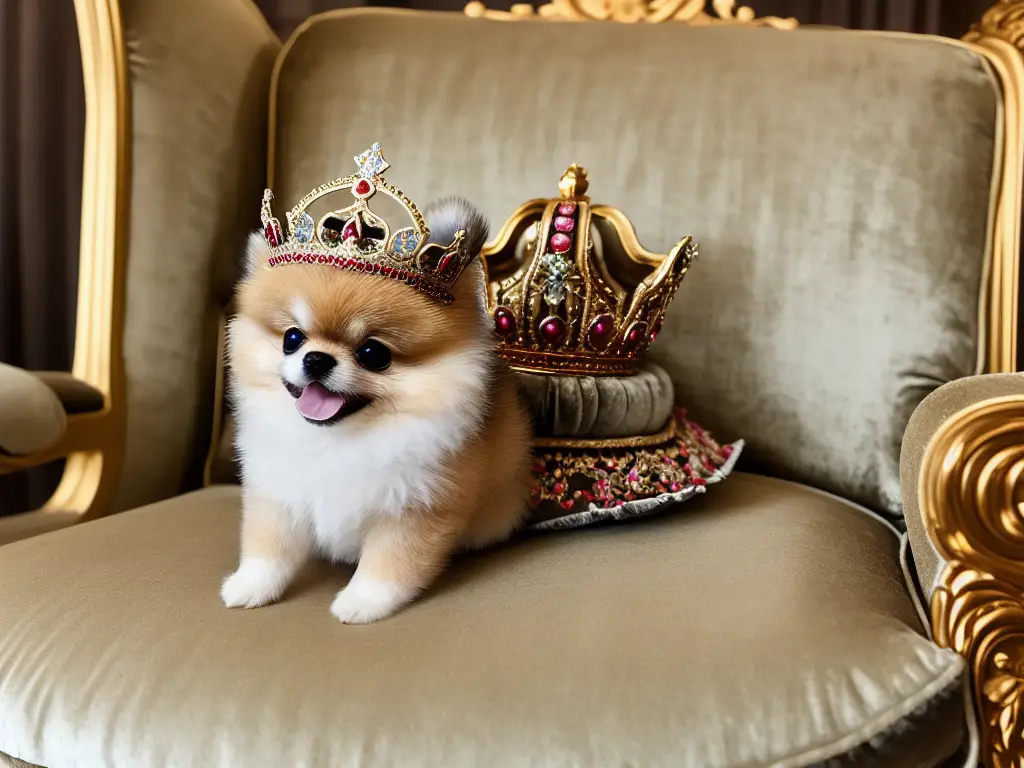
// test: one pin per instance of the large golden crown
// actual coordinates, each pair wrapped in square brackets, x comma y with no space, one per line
[570,288]
[355,238]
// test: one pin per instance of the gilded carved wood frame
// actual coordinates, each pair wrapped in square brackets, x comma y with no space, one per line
[971,487]
[93,443]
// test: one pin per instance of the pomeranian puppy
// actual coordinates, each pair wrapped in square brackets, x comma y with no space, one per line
[376,426]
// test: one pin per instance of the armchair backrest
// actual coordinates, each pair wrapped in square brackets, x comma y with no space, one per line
[197,74]
[850,192]
[856,197]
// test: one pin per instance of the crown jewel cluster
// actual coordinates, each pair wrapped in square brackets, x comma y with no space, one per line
[355,238]
[564,306]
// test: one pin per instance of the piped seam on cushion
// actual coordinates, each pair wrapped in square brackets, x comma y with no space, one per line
[915,594]
[886,721]
[876,747]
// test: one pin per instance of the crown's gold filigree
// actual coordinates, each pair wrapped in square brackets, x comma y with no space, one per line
[562,304]
[355,238]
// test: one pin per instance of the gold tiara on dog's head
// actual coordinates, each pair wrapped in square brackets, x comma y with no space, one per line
[355,238]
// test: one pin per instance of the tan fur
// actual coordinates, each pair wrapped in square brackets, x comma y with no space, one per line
[481,498]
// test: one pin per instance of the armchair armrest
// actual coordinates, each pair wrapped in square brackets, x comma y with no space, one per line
[48,415]
[32,418]
[962,470]
[928,418]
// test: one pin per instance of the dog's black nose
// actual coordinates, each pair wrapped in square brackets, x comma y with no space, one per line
[317,364]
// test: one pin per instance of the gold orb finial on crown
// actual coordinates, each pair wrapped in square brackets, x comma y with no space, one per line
[570,288]
[355,238]
[573,183]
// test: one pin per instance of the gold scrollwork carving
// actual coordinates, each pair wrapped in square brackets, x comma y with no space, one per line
[633,11]
[972,499]
[982,618]
[1003,21]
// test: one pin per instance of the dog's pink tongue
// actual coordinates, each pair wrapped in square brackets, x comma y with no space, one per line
[318,403]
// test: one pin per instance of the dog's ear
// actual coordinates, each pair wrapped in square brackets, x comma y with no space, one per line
[257,254]
[447,216]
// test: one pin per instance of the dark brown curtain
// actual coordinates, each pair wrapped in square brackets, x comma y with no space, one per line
[42,118]
[941,17]
[42,124]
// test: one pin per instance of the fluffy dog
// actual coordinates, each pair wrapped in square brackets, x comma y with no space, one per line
[376,426]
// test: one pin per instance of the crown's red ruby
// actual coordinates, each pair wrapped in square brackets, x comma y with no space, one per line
[504,321]
[656,330]
[560,243]
[445,262]
[552,329]
[601,331]
[564,224]
[362,187]
[635,334]
[567,209]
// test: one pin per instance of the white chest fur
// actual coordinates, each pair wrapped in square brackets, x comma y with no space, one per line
[332,479]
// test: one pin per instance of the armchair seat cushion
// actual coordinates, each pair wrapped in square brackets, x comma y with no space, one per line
[768,625]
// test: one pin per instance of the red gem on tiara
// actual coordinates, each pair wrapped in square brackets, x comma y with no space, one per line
[567,209]
[273,233]
[363,187]
[351,230]
[445,262]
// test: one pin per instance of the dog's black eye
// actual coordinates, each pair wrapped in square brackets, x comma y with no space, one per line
[373,355]
[293,339]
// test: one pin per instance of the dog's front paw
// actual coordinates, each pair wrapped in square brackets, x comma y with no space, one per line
[256,582]
[364,601]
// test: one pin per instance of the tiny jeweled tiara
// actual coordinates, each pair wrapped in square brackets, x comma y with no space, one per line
[357,239]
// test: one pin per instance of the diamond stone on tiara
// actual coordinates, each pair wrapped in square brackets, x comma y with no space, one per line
[304,228]
[371,162]
[355,238]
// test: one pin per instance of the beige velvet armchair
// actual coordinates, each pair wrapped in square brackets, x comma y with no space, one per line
[853,316]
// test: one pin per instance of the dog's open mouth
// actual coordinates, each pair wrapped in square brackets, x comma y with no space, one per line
[319,405]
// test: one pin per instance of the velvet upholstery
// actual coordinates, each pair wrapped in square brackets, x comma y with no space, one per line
[28,524]
[198,72]
[842,223]
[627,645]
[599,406]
